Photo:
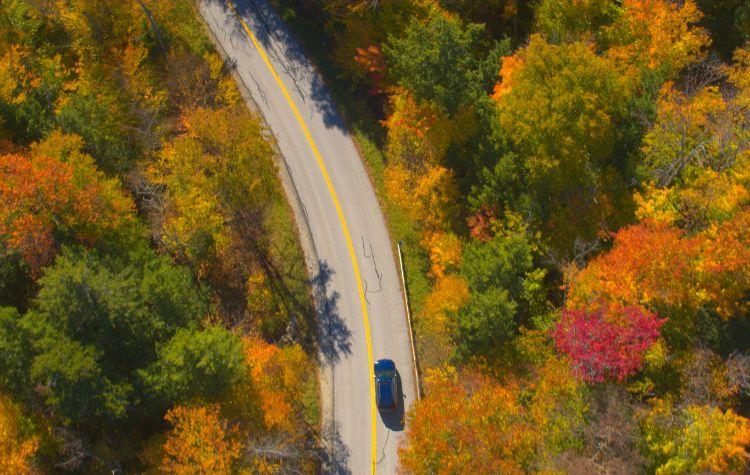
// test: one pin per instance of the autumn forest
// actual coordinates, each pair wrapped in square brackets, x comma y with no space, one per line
[153,305]
[570,180]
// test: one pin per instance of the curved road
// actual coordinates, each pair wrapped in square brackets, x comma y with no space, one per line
[347,246]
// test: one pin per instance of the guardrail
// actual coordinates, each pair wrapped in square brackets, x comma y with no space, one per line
[412,342]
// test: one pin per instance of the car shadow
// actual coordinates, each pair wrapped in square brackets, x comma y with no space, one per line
[395,420]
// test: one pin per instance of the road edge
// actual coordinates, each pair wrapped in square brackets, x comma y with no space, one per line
[325,371]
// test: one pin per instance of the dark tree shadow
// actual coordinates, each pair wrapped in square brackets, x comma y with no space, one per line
[334,335]
[335,454]
[395,420]
[281,46]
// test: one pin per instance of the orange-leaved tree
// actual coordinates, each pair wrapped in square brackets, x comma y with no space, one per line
[726,265]
[654,264]
[658,35]
[415,177]
[418,132]
[434,320]
[200,442]
[470,422]
[279,376]
[445,250]
[659,267]
[46,201]
[649,263]
[271,405]
[466,424]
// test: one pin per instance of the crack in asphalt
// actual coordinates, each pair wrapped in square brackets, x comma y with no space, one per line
[387,436]
[277,53]
[371,257]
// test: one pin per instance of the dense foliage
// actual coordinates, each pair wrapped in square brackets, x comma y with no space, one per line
[147,255]
[570,179]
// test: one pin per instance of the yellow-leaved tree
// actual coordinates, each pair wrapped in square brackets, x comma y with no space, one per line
[17,449]
[221,166]
[199,442]
[696,439]
[659,35]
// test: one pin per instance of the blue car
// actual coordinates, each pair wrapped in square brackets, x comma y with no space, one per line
[387,388]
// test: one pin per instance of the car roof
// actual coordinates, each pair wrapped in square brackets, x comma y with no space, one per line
[385,365]
[385,388]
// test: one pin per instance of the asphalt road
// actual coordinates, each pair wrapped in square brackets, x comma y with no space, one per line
[346,242]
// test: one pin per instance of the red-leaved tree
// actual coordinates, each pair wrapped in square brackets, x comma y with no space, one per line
[608,343]
[45,200]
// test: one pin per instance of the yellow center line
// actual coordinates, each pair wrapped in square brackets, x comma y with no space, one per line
[339,211]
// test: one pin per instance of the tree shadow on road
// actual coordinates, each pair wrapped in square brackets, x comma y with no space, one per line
[290,60]
[335,454]
[334,335]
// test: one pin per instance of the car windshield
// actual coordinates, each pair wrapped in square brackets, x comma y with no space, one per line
[386,392]
[384,365]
